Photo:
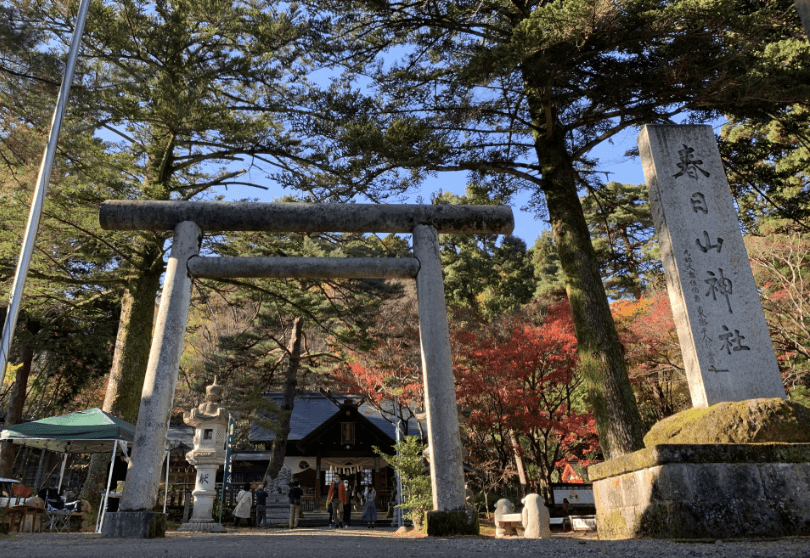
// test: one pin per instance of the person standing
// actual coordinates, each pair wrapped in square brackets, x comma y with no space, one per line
[261,506]
[119,473]
[244,501]
[347,507]
[357,501]
[370,507]
[337,497]
[294,496]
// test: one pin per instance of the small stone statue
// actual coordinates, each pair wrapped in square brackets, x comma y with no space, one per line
[283,480]
[280,484]
[536,519]
[504,527]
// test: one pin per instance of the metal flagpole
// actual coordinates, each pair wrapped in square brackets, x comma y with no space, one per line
[62,473]
[39,192]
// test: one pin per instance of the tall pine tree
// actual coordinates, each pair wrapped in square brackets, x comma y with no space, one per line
[518,92]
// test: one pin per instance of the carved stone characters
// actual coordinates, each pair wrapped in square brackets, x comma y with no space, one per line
[535,518]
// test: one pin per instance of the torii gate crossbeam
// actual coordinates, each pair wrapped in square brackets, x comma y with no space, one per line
[189,219]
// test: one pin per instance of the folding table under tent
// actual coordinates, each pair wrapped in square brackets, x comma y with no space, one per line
[90,431]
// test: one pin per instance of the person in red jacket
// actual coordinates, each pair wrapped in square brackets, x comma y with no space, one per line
[337,497]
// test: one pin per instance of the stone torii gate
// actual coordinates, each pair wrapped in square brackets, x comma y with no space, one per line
[188,220]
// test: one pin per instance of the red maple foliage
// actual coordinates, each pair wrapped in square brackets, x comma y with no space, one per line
[647,331]
[523,377]
[392,364]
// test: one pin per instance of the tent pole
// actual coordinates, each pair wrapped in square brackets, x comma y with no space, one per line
[166,484]
[100,525]
[38,477]
[62,473]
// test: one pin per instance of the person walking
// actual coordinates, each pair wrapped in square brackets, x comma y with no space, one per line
[244,501]
[369,507]
[261,506]
[294,496]
[337,497]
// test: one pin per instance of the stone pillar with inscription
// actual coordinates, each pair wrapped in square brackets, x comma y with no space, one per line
[724,339]
[738,464]
[210,422]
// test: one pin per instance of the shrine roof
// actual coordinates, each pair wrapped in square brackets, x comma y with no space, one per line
[311,410]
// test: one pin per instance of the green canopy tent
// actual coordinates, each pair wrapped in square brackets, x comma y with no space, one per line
[90,431]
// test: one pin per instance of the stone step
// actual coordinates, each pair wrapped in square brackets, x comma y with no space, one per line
[321,519]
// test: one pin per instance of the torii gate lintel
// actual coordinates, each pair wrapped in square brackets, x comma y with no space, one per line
[190,219]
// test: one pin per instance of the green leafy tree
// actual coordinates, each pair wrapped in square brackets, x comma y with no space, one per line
[480,274]
[280,334]
[768,167]
[547,271]
[416,488]
[175,98]
[519,92]
[622,233]
[67,326]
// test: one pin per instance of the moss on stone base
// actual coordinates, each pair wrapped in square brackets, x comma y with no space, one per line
[735,422]
[157,526]
[448,523]
[612,525]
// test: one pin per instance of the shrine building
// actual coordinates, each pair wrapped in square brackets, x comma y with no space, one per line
[328,434]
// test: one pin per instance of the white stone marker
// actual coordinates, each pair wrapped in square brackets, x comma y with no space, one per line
[726,347]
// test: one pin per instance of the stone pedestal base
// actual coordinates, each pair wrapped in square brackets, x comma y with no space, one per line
[202,527]
[134,525]
[704,491]
[278,509]
[448,523]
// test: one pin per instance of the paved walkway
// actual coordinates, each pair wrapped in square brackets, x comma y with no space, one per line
[382,543]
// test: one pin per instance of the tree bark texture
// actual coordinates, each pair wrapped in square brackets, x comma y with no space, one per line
[132,343]
[8,451]
[521,467]
[600,352]
[279,449]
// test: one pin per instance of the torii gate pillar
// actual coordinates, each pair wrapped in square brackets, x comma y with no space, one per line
[446,467]
[188,219]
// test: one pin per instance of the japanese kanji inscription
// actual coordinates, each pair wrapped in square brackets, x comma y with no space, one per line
[725,343]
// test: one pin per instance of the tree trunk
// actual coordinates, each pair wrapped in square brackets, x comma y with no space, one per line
[8,451]
[132,344]
[521,467]
[601,355]
[287,401]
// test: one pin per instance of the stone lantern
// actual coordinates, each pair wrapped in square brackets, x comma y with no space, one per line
[210,422]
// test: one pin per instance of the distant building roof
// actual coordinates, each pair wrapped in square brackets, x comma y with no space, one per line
[180,437]
[310,410]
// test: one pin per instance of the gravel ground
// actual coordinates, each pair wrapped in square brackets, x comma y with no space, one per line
[382,543]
